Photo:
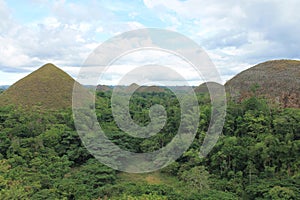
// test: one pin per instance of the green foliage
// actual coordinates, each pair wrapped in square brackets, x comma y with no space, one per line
[214,194]
[140,190]
[278,193]
[256,157]
[142,197]
[196,178]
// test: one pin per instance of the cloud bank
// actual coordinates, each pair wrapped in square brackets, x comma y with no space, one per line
[236,34]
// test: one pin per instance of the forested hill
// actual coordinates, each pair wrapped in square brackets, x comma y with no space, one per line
[277,80]
[48,88]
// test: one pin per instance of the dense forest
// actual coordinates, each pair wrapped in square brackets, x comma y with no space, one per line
[256,157]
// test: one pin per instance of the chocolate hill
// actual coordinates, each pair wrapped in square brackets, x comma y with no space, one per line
[136,88]
[278,81]
[203,88]
[47,88]
[103,88]
[150,89]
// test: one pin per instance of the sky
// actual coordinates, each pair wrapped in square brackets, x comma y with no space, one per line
[235,34]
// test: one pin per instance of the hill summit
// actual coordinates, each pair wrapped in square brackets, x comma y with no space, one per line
[48,88]
[203,88]
[276,80]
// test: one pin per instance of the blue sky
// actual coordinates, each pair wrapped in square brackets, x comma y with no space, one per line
[235,34]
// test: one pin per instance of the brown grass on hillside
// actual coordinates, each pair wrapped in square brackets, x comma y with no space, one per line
[47,88]
[277,80]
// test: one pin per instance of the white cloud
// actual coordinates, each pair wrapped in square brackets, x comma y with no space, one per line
[134,25]
[65,37]
[236,34]
[99,29]
[143,66]
[44,40]
[8,79]
[240,33]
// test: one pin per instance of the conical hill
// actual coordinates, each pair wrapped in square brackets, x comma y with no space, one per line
[48,88]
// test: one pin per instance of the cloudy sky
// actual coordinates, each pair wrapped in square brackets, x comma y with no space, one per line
[235,34]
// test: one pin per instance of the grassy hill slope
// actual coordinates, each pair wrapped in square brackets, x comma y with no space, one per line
[277,80]
[48,87]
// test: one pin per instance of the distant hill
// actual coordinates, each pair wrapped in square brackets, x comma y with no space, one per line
[48,88]
[277,80]
[183,88]
[136,88]
[103,88]
[4,87]
[150,89]
[203,88]
[133,86]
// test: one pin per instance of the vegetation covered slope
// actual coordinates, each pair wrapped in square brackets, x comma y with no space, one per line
[48,87]
[277,80]
[256,157]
